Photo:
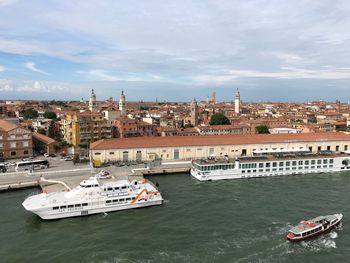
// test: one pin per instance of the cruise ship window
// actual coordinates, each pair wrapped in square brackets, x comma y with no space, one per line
[313,161]
[331,160]
[307,162]
[300,163]
[261,165]
[288,163]
[274,164]
[319,161]
[281,164]
[267,165]
[294,163]
[325,161]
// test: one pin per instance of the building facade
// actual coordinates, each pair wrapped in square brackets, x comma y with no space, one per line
[15,141]
[188,147]
[82,128]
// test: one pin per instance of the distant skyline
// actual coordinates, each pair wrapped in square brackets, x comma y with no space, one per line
[175,50]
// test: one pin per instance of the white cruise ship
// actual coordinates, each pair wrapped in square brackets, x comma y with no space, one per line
[269,165]
[94,196]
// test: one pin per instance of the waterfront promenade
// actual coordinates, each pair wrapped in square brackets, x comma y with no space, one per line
[72,175]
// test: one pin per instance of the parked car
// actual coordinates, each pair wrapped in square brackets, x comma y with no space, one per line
[103,174]
[52,155]
[3,168]
[68,158]
[46,155]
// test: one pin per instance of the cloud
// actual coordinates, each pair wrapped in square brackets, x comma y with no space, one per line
[2,68]
[7,2]
[31,66]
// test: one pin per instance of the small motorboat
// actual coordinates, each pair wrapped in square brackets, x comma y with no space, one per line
[313,227]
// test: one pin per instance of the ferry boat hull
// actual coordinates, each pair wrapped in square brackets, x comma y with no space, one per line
[47,214]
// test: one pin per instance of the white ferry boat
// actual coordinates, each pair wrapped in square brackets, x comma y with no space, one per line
[93,196]
[269,165]
[313,227]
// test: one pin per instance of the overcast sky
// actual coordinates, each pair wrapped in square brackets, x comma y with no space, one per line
[175,50]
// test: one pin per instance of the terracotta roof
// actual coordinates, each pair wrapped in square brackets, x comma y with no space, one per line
[44,138]
[178,141]
[7,126]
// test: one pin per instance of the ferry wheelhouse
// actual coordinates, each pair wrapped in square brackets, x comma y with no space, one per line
[275,164]
[93,196]
[313,227]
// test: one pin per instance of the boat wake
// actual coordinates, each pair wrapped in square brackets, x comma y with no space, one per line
[319,244]
[333,235]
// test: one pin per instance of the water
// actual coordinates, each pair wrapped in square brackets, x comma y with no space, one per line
[225,221]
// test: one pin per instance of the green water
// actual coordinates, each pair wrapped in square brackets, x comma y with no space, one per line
[225,221]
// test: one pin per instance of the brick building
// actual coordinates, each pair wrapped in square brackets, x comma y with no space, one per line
[15,141]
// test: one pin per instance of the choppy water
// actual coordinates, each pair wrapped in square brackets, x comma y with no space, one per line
[225,221]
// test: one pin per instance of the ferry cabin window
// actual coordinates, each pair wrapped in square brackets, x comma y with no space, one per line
[63,207]
[108,201]
[325,161]
[77,205]
[307,162]
[84,204]
[319,161]
[288,163]
[267,164]
[331,160]
[55,208]
[261,165]
[70,206]
[300,163]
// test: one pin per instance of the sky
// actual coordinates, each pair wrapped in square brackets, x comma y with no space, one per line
[271,50]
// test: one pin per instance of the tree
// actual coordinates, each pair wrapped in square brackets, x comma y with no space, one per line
[219,119]
[41,131]
[188,125]
[50,115]
[51,130]
[262,129]
[30,114]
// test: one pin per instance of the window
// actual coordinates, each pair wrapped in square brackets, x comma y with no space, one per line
[288,163]
[307,162]
[313,161]
[281,164]
[55,208]
[345,147]
[261,165]
[111,153]
[274,164]
[12,136]
[337,148]
[63,207]
[1,145]
[25,152]
[294,163]
[328,148]
[13,153]
[267,165]
[319,148]
[97,153]
[77,205]
[13,145]
[70,206]
[25,144]
[84,204]
[300,163]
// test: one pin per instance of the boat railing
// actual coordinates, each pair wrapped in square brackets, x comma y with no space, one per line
[42,179]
